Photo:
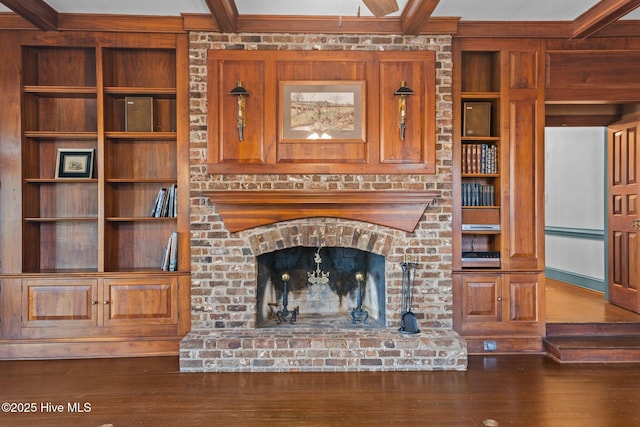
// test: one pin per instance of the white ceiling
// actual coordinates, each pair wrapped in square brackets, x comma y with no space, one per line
[468,10]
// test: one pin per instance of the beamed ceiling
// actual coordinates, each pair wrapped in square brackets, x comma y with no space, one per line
[573,19]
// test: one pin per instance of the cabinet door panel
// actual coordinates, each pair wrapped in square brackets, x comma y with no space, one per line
[523,300]
[59,303]
[140,301]
[481,297]
[526,299]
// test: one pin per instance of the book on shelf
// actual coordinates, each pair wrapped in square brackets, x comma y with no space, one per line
[157,205]
[476,194]
[166,202]
[170,258]
[479,158]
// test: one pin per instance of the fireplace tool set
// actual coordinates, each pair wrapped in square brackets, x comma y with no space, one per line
[408,321]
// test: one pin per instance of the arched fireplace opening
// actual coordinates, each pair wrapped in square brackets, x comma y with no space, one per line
[321,287]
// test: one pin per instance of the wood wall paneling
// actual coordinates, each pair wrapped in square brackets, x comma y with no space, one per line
[10,152]
[523,248]
[379,149]
[586,75]
[420,128]
[224,76]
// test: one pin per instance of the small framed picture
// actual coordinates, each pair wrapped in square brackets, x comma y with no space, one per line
[74,163]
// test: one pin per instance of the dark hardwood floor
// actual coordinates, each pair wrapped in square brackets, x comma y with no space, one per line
[529,390]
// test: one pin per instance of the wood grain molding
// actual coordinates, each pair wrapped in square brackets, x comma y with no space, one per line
[242,210]
[321,24]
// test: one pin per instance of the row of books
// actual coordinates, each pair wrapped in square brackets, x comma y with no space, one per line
[479,158]
[170,258]
[166,202]
[475,194]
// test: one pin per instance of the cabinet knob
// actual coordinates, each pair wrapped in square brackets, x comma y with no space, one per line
[106,303]
[499,298]
[94,302]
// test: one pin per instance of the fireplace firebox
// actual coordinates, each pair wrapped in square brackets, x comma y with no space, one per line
[320,287]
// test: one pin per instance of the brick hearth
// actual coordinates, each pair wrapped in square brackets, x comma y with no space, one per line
[310,349]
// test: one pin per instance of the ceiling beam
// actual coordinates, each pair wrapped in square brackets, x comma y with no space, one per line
[37,12]
[415,14]
[600,15]
[225,13]
[380,8]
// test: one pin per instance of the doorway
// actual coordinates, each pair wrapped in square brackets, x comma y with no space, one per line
[575,231]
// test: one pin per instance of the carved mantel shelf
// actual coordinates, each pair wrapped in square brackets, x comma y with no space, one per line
[242,210]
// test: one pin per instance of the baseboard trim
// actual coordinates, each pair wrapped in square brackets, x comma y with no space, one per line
[576,279]
[79,349]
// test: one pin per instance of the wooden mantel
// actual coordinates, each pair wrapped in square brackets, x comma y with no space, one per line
[242,210]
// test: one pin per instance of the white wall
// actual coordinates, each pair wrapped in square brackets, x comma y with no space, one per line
[575,211]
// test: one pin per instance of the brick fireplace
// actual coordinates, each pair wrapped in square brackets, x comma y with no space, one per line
[225,336]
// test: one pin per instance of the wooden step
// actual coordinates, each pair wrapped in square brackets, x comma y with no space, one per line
[594,349]
[593,342]
[592,329]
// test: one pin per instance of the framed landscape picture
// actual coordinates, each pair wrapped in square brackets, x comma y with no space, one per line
[74,163]
[322,110]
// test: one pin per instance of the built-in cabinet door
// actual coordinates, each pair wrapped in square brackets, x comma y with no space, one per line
[132,302]
[523,293]
[480,298]
[67,304]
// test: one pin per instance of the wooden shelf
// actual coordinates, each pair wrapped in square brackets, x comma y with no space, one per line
[166,180]
[141,219]
[62,91]
[485,232]
[35,134]
[61,219]
[481,95]
[480,138]
[241,210]
[60,181]
[141,135]
[480,175]
[115,90]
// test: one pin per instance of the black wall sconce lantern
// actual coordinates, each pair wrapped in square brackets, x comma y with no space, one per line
[402,93]
[241,93]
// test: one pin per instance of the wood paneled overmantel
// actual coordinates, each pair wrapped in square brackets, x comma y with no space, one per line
[375,146]
[242,210]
